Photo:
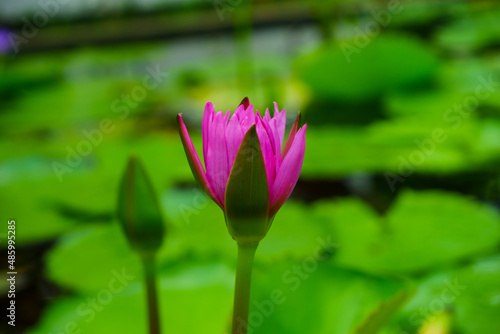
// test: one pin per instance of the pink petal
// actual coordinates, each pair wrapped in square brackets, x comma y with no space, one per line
[208,116]
[279,124]
[267,150]
[234,137]
[194,161]
[247,118]
[216,158]
[269,131]
[289,172]
[278,160]
[240,113]
[267,116]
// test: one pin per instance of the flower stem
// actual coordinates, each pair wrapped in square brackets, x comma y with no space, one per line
[246,253]
[152,297]
[242,21]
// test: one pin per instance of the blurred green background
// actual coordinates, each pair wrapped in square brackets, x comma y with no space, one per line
[393,226]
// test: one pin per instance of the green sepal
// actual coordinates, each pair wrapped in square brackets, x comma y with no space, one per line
[247,192]
[139,211]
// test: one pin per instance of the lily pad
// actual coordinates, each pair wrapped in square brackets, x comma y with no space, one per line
[352,70]
[478,307]
[202,292]
[450,226]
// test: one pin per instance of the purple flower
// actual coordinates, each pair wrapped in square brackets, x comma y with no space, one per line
[222,137]
[5,44]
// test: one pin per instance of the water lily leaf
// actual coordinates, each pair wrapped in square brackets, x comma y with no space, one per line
[341,298]
[451,227]
[353,75]
[197,291]
[478,304]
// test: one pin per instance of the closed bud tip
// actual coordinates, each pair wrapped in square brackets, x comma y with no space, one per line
[245,102]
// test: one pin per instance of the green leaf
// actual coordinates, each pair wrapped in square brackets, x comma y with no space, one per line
[247,194]
[313,297]
[193,299]
[382,146]
[138,210]
[104,242]
[430,287]
[451,227]
[191,220]
[478,297]
[293,234]
[354,76]
[471,32]
[34,211]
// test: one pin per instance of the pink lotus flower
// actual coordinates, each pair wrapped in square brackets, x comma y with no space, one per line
[222,138]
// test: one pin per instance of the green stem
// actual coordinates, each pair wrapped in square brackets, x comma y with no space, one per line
[246,253]
[324,12]
[242,21]
[152,296]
